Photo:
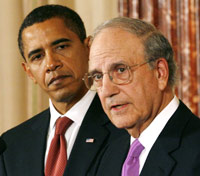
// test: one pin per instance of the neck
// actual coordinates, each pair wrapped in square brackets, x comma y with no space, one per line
[64,106]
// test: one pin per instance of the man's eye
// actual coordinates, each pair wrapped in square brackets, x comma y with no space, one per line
[97,77]
[36,57]
[120,69]
[60,47]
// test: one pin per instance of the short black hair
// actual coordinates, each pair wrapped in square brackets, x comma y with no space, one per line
[71,19]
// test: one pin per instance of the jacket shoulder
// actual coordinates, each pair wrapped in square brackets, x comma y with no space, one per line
[22,128]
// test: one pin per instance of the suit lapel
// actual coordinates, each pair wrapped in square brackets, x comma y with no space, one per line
[113,158]
[89,141]
[160,160]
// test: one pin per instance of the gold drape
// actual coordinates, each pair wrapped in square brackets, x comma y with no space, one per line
[179,20]
[19,97]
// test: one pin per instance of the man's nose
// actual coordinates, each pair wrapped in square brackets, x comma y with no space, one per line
[108,88]
[52,62]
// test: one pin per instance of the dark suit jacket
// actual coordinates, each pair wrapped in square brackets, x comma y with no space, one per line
[176,151]
[2,146]
[26,144]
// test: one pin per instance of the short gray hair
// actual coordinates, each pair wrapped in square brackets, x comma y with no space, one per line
[155,44]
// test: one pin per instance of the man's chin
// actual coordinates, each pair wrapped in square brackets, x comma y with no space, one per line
[64,98]
[119,124]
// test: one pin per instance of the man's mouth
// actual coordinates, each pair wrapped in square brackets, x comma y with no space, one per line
[57,79]
[118,106]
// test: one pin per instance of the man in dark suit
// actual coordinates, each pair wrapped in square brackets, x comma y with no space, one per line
[53,43]
[131,66]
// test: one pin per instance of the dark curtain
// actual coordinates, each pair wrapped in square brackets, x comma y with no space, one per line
[179,21]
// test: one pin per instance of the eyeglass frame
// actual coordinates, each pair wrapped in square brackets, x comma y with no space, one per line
[129,69]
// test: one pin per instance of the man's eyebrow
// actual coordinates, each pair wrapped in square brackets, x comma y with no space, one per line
[112,66]
[60,41]
[92,72]
[33,52]
[52,44]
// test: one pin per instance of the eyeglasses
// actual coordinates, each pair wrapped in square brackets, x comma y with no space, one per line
[120,74]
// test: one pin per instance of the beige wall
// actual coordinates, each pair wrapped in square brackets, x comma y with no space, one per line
[19,97]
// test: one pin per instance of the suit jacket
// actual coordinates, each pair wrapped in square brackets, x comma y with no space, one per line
[176,152]
[2,146]
[26,144]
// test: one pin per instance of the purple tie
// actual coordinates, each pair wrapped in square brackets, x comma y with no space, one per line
[131,165]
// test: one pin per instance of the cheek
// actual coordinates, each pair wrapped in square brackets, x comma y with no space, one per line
[103,102]
[38,74]
[80,68]
[135,95]
[83,65]
[141,100]
[79,65]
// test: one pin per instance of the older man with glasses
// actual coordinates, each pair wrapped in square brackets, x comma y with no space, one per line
[132,68]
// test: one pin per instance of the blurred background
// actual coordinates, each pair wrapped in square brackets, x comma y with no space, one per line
[179,20]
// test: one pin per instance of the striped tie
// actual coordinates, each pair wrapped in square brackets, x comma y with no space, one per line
[57,156]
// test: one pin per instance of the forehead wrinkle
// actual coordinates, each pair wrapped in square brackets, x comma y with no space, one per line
[110,47]
[103,58]
[100,53]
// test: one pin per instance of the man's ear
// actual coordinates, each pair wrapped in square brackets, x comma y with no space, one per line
[28,72]
[162,73]
[87,42]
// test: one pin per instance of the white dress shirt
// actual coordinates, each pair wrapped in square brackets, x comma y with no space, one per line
[148,137]
[76,114]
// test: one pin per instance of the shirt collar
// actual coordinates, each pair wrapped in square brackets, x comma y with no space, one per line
[76,113]
[151,133]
